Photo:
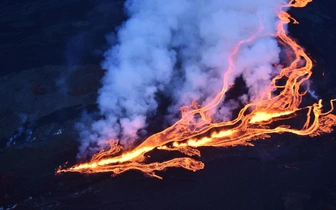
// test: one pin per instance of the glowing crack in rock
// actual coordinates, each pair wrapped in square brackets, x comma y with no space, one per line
[254,121]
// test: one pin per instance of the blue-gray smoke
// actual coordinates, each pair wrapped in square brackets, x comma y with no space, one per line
[180,48]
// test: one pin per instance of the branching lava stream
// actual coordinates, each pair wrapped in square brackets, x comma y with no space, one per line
[254,121]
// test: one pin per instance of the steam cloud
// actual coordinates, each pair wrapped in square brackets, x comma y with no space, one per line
[179,48]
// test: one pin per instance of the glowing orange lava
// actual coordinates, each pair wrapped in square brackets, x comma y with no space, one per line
[254,121]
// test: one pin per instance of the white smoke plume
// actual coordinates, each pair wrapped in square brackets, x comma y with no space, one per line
[179,48]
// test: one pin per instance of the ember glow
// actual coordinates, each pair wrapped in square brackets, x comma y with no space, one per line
[256,120]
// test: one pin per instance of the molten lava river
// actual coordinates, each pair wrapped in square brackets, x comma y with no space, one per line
[271,113]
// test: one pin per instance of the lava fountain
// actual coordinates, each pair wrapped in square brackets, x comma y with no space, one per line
[256,120]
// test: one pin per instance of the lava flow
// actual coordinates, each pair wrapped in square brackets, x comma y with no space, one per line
[196,128]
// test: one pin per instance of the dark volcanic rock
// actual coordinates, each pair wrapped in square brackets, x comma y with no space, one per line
[33,94]
[317,34]
[35,33]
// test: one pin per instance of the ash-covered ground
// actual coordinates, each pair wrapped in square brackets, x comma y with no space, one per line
[50,57]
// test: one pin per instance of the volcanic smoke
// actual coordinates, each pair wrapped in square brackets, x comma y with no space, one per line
[179,49]
[192,52]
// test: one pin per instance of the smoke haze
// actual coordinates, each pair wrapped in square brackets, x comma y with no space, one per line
[179,49]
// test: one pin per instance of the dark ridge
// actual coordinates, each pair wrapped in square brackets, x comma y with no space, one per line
[29,129]
[156,121]
[238,89]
